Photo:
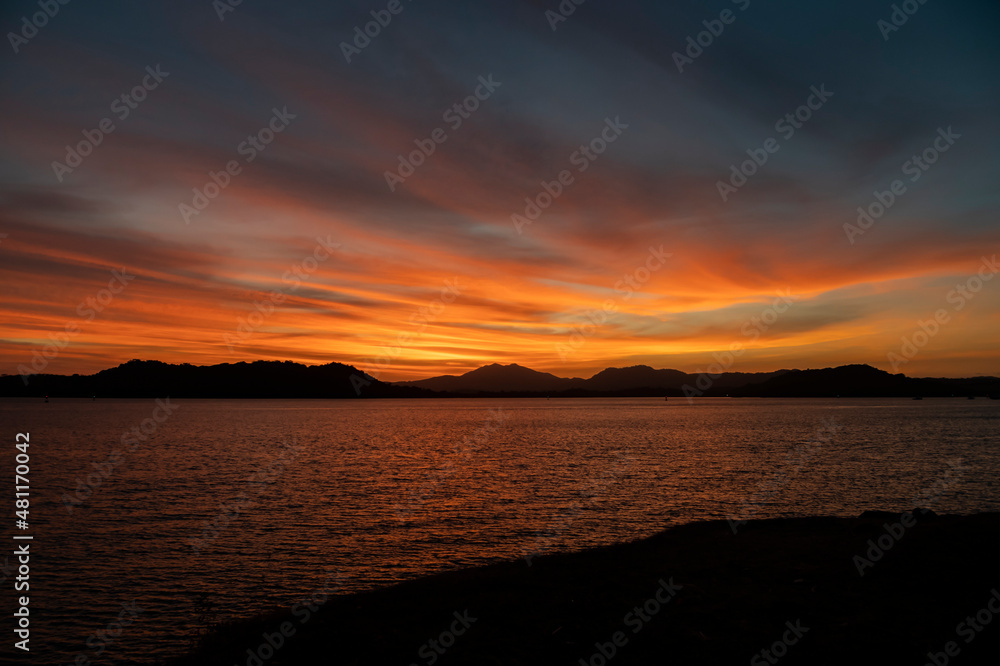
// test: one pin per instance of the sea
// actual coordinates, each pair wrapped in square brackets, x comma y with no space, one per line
[153,520]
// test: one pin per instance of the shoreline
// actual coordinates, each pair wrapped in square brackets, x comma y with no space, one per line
[693,593]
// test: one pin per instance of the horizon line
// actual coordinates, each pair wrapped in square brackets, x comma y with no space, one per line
[411,381]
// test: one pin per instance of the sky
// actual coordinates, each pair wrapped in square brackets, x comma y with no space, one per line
[670,184]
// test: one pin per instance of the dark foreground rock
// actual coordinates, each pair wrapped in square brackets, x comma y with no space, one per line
[694,594]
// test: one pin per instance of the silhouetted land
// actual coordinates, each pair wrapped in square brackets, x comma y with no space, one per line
[277,379]
[496,378]
[642,380]
[738,593]
[261,379]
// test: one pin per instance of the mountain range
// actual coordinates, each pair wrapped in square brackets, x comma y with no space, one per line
[500,378]
[285,379]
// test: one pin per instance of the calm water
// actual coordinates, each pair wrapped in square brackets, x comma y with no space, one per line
[382,491]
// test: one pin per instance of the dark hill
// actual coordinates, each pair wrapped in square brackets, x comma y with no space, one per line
[864,381]
[635,380]
[643,376]
[285,379]
[617,379]
[497,378]
[260,379]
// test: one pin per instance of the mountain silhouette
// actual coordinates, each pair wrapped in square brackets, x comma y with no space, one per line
[617,379]
[864,381]
[285,379]
[260,379]
[497,378]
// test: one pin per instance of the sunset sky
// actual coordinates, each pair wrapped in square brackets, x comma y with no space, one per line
[516,290]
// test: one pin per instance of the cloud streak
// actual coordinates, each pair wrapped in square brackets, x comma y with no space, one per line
[655,186]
